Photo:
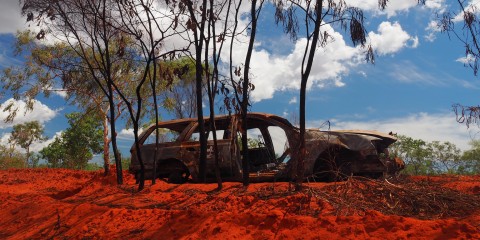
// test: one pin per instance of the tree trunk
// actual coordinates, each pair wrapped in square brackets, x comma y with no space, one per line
[198,42]
[28,156]
[310,49]
[118,161]
[245,94]
[201,123]
[106,147]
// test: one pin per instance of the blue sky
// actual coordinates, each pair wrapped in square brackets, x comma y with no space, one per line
[410,89]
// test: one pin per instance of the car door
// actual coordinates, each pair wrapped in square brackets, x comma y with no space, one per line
[225,144]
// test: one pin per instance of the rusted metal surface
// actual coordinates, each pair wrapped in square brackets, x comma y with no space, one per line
[330,155]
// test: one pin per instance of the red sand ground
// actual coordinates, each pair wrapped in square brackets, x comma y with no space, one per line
[68,204]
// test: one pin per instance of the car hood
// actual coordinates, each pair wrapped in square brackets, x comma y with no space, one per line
[356,140]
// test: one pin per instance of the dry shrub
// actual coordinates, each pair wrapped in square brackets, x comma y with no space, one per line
[423,199]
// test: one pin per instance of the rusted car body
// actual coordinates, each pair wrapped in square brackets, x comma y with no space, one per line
[273,155]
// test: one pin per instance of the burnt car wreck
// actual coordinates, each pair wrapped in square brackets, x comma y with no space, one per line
[331,155]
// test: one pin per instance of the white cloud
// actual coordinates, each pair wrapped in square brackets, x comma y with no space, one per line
[293,100]
[395,7]
[414,41]
[426,126]
[40,112]
[432,29]
[271,73]
[466,60]
[10,17]
[59,92]
[390,38]
[473,6]
[127,134]
[438,5]
[4,139]
[35,147]
[392,9]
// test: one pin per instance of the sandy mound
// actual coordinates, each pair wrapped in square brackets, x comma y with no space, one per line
[58,203]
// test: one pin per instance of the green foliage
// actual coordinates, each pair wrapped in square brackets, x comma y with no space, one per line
[125,163]
[414,153]
[254,143]
[92,167]
[25,134]
[181,99]
[77,144]
[55,153]
[446,156]
[428,158]
[251,142]
[471,159]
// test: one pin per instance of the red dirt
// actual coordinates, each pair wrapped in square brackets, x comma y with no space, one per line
[68,204]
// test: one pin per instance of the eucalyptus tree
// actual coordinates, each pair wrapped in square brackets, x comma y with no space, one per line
[255,9]
[86,27]
[471,158]
[416,153]
[76,145]
[150,23]
[54,68]
[445,156]
[313,17]
[11,158]
[218,17]
[212,23]
[197,17]
[182,90]
[93,29]
[25,134]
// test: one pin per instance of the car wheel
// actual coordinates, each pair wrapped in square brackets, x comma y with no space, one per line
[178,176]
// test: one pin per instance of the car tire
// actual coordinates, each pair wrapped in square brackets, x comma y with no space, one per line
[177,177]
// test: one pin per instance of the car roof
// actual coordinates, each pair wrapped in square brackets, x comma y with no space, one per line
[180,124]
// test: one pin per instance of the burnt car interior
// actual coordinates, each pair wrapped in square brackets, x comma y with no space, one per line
[262,152]
[263,155]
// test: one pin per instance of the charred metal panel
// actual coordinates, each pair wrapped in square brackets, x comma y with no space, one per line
[352,151]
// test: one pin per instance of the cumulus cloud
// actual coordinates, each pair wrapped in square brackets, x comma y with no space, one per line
[473,6]
[438,5]
[273,72]
[40,112]
[394,8]
[390,38]
[127,134]
[10,17]
[426,126]
[35,147]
